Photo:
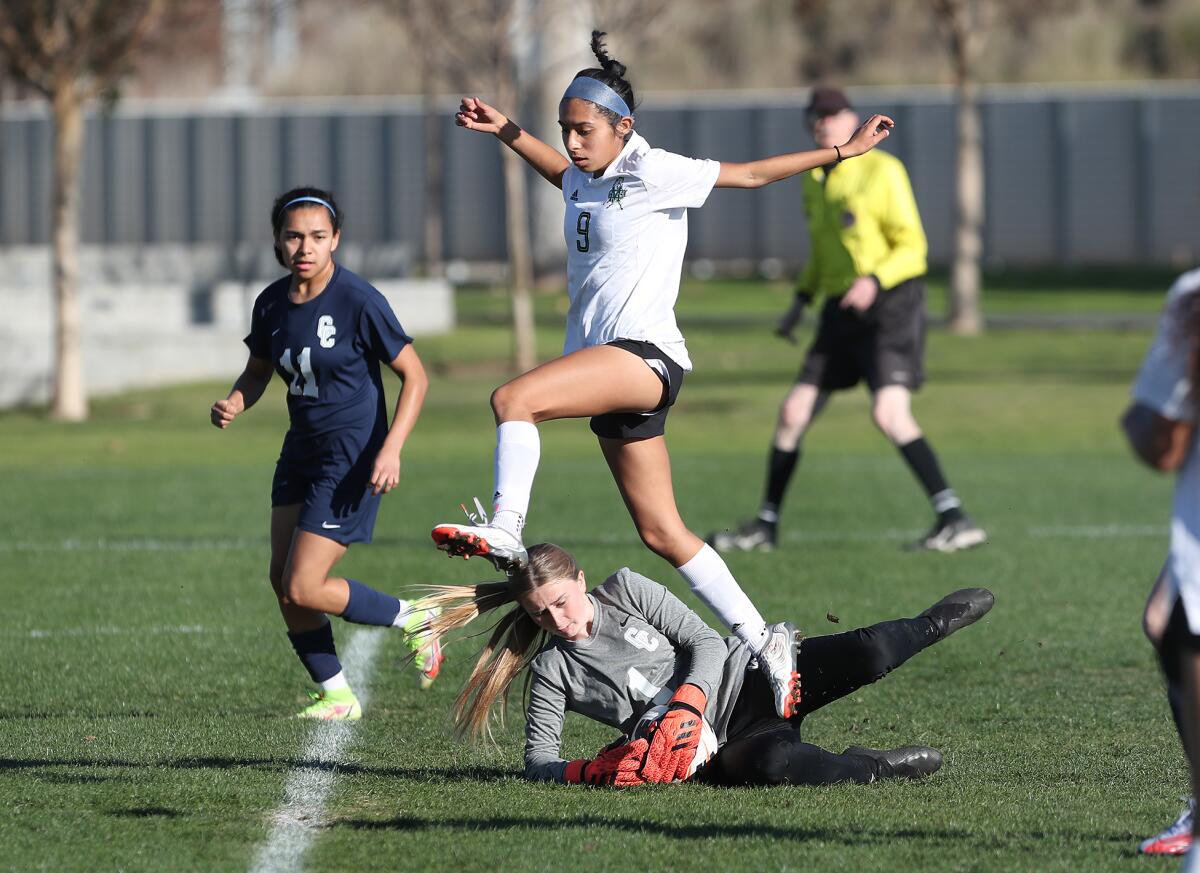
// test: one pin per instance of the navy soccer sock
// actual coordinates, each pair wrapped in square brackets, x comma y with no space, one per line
[779,473]
[368,606]
[924,464]
[317,652]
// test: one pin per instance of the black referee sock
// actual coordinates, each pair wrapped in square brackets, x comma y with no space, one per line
[780,467]
[924,464]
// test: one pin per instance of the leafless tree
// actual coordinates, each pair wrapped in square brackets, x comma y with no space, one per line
[965,24]
[70,52]
[468,44]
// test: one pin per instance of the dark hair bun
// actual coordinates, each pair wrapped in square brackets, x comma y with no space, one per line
[606,63]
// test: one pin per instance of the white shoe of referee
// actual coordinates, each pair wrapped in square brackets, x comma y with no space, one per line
[777,660]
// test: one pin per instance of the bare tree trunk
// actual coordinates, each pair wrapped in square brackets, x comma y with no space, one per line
[965,283]
[70,393]
[520,261]
[965,38]
[434,260]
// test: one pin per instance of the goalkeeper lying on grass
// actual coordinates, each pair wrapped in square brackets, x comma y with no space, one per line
[631,655]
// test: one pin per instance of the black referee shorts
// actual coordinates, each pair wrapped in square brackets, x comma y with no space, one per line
[883,346]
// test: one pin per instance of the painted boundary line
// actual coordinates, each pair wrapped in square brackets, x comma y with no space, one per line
[296,822]
[1063,531]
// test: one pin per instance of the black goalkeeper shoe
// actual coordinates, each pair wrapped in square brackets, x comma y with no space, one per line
[906,762]
[754,535]
[959,609]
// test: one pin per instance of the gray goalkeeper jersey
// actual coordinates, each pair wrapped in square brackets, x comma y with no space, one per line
[644,644]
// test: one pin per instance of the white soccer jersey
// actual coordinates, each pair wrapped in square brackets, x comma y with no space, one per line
[626,233]
[1164,384]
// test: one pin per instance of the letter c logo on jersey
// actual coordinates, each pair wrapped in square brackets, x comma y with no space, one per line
[641,639]
[325,331]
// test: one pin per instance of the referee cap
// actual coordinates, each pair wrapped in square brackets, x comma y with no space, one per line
[825,100]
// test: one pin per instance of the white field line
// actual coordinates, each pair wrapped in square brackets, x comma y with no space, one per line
[296,822]
[1061,531]
[112,631]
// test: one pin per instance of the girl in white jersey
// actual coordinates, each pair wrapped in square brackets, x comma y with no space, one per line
[1161,427]
[624,358]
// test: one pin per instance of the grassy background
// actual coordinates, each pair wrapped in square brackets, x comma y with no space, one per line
[148,681]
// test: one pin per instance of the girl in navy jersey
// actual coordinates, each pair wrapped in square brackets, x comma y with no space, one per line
[631,655]
[624,358]
[325,331]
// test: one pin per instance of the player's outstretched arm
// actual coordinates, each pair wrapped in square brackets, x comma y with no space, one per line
[244,393]
[474,114]
[385,474]
[755,174]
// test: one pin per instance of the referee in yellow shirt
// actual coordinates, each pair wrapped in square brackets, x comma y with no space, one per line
[867,259]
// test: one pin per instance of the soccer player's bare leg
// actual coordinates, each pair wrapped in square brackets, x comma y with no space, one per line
[891,410]
[797,412]
[306,580]
[642,471]
[588,382]
[283,533]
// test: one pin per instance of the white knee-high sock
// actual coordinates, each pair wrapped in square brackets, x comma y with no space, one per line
[1191,862]
[518,449]
[707,575]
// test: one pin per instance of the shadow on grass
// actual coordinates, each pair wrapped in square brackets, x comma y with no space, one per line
[855,837]
[416,774]
[145,812]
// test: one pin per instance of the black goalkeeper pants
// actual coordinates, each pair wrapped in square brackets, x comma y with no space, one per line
[764,749]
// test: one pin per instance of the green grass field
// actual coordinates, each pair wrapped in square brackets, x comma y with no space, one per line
[148,683]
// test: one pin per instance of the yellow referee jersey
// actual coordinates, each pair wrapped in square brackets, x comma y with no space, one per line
[863,221]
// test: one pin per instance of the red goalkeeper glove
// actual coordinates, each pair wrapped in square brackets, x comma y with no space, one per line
[675,736]
[619,765]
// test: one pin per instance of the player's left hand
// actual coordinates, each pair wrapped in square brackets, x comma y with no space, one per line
[861,295]
[385,475]
[871,133]
[675,737]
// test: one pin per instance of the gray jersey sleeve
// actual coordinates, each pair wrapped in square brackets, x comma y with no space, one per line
[544,716]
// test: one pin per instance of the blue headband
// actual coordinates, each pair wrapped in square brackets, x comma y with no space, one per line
[586,88]
[316,200]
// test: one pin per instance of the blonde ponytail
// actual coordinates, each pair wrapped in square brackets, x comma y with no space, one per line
[515,637]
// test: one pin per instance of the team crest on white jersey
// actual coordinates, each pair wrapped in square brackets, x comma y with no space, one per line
[326,331]
[641,639]
[616,193]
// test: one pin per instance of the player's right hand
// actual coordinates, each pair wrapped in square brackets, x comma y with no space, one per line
[786,326]
[616,766]
[223,412]
[474,114]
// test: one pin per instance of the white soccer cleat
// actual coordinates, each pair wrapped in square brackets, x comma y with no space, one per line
[1176,839]
[777,660]
[951,536]
[503,548]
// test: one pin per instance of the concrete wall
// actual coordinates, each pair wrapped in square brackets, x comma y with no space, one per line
[139,334]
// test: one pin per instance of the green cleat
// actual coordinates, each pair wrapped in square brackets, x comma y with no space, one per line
[340,705]
[426,647]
